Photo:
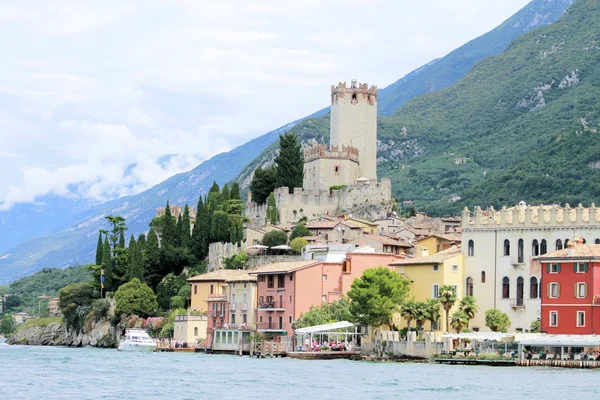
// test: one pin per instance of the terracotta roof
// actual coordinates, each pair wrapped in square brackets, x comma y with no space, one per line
[361,221]
[432,259]
[387,240]
[578,251]
[225,275]
[444,236]
[283,267]
[330,225]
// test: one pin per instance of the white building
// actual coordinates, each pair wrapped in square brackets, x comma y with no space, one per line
[501,247]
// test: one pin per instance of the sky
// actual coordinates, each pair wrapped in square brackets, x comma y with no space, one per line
[105,99]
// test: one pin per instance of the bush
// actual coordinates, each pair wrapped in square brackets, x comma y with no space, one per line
[135,297]
[274,238]
[299,230]
[298,244]
[100,309]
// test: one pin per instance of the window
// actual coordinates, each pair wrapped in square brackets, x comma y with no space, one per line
[324,278]
[436,267]
[520,251]
[505,288]
[280,322]
[482,276]
[581,290]
[195,289]
[291,277]
[533,288]
[245,298]
[270,281]
[471,251]
[543,247]
[559,245]
[469,290]
[232,319]
[261,278]
[435,291]
[290,298]
[554,290]
[281,281]
[196,331]
[244,318]
[261,299]
[553,268]
[581,267]
[580,318]
[260,319]
[233,285]
[455,268]
[324,299]
[597,241]
[211,289]
[535,248]
[553,318]
[290,319]
[566,243]
[520,291]
[336,169]
[506,247]
[245,285]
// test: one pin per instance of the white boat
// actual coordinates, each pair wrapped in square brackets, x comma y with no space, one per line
[137,340]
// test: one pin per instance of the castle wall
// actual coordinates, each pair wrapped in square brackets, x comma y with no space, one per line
[322,173]
[354,123]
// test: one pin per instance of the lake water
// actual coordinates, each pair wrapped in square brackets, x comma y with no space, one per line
[28,372]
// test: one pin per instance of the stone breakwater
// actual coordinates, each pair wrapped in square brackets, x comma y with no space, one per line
[101,334]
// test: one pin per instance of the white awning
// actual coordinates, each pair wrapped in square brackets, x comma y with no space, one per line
[563,341]
[281,247]
[492,336]
[325,328]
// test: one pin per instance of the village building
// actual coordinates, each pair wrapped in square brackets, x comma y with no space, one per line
[190,328]
[335,231]
[390,225]
[53,308]
[570,289]
[368,227]
[435,243]
[384,244]
[501,251]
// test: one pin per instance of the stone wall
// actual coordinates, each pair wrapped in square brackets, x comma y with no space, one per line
[389,345]
[218,251]
[257,261]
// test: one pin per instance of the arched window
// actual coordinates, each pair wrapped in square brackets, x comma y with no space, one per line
[505,288]
[543,247]
[482,276]
[584,241]
[196,331]
[597,241]
[506,247]
[566,243]
[533,288]
[471,250]
[535,248]
[469,290]
[520,291]
[520,251]
[558,244]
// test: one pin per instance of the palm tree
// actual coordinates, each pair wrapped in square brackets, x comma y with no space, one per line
[433,311]
[421,315]
[459,321]
[409,312]
[468,306]
[447,298]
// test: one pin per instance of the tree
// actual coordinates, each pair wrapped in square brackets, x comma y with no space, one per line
[7,325]
[177,302]
[167,235]
[178,231]
[421,315]
[234,194]
[135,267]
[300,230]
[225,193]
[272,213]
[121,240]
[535,326]
[107,266]
[214,195]
[289,162]
[447,298]
[298,244]
[377,295]
[468,306]
[496,320]
[75,301]
[152,265]
[325,313]
[459,321]
[186,238]
[274,238]
[263,183]
[99,248]
[219,229]
[168,287]
[197,240]
[239,261]
[118,226]
[135,298]
[409,312]
[433,311]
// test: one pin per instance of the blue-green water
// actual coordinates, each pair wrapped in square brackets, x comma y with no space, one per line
[63,373]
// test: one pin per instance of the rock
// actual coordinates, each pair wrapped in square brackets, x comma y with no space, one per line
[102,334]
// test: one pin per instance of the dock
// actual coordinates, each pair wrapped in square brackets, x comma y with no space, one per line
[325,355]
[475,361]
[560,363]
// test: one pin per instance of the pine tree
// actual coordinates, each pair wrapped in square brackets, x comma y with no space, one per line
[234,193]
[167,237]
[185,228]
[118,226]
[178,229]
[99,249]
[107,265]
[152,264]
[142,240]
[289,162]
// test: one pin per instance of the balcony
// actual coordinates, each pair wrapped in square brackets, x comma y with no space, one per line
[219,314]
[216,297]
[517,262]
[271,305]
[232,306]
[517,303]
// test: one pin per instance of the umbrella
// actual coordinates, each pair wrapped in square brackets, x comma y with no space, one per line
[258,246]
[281,247]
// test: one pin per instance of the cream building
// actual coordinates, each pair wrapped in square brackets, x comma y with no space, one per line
[242,300]
[190,328]
[501,250]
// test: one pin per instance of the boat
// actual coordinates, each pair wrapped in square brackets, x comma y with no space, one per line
[137,340]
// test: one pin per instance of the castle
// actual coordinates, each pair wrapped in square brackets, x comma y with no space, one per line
[343,177]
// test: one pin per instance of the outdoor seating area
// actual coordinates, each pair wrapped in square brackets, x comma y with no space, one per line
[561,350]
[338,336]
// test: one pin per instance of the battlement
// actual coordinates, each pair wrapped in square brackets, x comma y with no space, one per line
[176,211]
[524,216]
[320,151]
[341,89]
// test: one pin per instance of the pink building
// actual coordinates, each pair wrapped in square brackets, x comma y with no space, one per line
[288,289]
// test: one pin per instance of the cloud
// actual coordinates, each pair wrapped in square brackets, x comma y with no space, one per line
[94,95]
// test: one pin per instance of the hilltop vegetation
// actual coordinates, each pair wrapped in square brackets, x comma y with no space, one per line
[49,281]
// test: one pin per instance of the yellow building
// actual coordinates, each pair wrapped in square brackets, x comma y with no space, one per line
[190,328]
[368,227]
[435,243]
[427,274]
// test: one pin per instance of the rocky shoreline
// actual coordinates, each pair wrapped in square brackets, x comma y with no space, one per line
[101,334]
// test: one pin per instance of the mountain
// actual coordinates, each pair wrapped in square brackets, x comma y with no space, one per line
[75,243]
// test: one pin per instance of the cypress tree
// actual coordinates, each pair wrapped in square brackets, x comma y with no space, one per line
[219,228]
[99,248]
[197,233]
[185,228]
[136,266]
[168,228]
[234,193]
[152,264]
[214,195]
[205,229]
[264,181]
[178,229]
[225,193]
[289,162]
[122,240]
[272,214]
[142,240]
[107,265]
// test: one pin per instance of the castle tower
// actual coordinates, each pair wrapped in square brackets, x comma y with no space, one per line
[354,123]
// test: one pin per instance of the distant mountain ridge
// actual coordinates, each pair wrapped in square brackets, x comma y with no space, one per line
[75,244]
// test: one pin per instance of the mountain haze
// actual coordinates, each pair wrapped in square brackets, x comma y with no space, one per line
[75,243]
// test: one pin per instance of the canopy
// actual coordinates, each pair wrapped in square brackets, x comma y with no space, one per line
[492,336]
[563,341]
[325,328]
[258,246]
[281,247]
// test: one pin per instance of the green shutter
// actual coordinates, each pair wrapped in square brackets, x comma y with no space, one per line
[585,268]
[575,267]
[548,268]
[557,267]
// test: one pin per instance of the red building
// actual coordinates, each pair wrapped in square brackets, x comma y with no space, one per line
[570,289]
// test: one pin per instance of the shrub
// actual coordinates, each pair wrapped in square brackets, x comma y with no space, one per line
[298,244]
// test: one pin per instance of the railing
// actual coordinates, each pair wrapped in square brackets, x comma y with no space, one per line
[216,313]
[216,297]
[238,306]
[517,261]
[271,305]
[517,303]
[236,326]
